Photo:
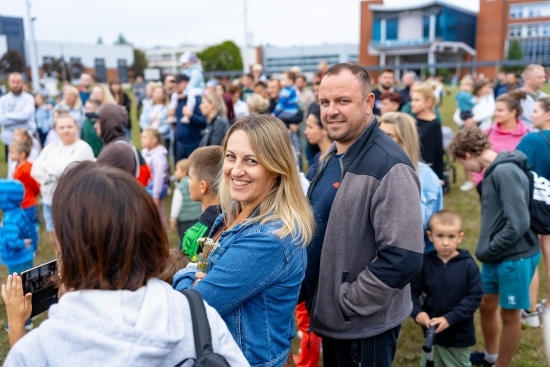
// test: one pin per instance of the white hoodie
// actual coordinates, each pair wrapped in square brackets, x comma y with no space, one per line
[149,327]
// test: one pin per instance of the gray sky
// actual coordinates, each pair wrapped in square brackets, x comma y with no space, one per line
[148,23]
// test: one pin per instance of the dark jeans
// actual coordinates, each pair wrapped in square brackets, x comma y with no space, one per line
[42,137]
[184,150]
[376,351]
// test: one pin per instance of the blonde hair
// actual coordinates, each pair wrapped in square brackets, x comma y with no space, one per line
[286,202]
[165,100]
[69,88]
[257,104]
[183,165]
[529,69]
[107,95]
[468,81]
[219,105]
[154,134]
[427,92]
[405,128]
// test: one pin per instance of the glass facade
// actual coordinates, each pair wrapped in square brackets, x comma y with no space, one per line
[535,49]
[14,31]
[391,29]
[533,10]
[529,30]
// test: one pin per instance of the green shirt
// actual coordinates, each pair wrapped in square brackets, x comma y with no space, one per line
[190,210]
[89,135]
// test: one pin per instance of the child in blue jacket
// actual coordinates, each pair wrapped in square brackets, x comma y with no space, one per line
[18,237]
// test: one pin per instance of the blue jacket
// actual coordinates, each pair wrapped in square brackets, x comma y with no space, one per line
[196,78]
[454,291]
[287,102]
[191,133]
[16,225]
[253,282]
[431,199]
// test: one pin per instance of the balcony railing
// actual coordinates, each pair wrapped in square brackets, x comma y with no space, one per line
[400,43]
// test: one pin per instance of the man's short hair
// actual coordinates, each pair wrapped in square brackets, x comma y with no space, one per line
[469,140]
[260,84]
[206,163]
[530,68]
[446,218]
[391,71]
[21,147]
[95,102]
[181,78]
[392,96]
[234,88]
[356,70]
[248,75]
[302,76]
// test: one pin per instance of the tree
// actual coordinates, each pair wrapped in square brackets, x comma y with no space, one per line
[54,67]
[140,63]
[514,53]
[12,61]
[121,40]
[99,40]
[225,56]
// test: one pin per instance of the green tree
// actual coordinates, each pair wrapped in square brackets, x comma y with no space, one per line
[12,61]
[140,62]
[224,56]
[121,40]
[99,40]
[514,53]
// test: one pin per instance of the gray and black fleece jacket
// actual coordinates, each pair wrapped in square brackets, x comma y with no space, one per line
[505,232]
[374,241]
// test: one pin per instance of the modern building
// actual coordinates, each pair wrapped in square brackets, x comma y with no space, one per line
[102,61]
[14,31]
[278,59]
[501,21]
[434,31]
[167,58]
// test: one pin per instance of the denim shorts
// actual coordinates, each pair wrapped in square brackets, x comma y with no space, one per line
[511,281]
[47,213]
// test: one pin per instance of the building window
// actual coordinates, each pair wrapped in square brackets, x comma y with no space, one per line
[166,70]
[376,30]
[391,29]
[166,57]
[426,26]
[530,10]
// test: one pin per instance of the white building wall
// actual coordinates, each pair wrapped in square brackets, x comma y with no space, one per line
[277,59]
[86,52]
[3,45]
[410,26]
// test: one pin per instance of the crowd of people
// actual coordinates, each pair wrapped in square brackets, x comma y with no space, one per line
[273,183]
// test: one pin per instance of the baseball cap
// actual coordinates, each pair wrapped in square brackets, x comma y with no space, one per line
[181,78]
[188,57]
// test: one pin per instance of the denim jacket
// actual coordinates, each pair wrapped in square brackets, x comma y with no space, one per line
[253,282]
[431,199]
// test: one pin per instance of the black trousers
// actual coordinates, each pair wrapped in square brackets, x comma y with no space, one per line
[376,351]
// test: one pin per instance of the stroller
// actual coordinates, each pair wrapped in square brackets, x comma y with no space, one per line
[450,168]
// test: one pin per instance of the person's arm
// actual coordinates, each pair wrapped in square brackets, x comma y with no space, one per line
[195,79]
[514,205]
[157,166]
[248,266]
[400,244]
[24,114]
[281,102]
[163,127]
[198,119]
[485,109]
[177,201]
[29,182]
[417,287]
[470,303]
[38,170]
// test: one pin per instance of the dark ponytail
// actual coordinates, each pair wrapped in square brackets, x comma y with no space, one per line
[513,101]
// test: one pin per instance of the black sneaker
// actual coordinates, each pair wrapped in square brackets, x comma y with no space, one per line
[478,359]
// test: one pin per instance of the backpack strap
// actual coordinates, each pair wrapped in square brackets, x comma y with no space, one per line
[201,326]
[545,138]
[134,150]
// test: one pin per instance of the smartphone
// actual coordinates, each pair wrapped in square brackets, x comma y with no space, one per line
[41,281]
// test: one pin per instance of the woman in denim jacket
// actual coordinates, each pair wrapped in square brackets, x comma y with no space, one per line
[253,278]
[402,129]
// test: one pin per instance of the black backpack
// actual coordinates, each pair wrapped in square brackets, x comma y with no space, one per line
[201,333]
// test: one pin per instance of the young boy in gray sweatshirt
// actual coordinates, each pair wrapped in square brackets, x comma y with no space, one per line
[508,249]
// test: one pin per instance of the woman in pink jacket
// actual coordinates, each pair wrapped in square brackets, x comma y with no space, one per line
[508,130]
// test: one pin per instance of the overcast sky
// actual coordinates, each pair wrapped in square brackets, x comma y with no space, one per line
[148,23]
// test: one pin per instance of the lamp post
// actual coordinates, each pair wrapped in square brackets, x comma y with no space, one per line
[32,49]
[245,53]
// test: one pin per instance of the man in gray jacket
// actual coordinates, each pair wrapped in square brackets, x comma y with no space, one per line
[507,247]
[368,243]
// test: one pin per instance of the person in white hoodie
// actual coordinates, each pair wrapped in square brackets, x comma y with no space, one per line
[54,159]
[115,312]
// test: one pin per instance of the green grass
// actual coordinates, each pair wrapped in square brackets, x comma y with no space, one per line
[531,350]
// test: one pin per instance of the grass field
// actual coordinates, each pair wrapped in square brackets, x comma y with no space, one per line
[530,352]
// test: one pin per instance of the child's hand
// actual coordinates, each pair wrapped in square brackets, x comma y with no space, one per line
[28,243]
[187,111]
[423,319]
[198,277]
[441,324]
[172,225]
[18,305]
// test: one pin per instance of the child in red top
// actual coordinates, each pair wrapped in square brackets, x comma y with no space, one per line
[19,152]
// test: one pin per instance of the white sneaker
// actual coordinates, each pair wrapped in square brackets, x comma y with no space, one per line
[299,334]
[541,307]
[530,319]
[467,186]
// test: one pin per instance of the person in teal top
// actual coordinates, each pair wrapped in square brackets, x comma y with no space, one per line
[88,133]
[408,110]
